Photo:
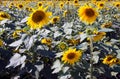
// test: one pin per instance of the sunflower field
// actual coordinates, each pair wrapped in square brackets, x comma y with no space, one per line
[59,39]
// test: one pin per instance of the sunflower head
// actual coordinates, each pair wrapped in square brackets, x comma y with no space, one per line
[76,2]
[106,25]
[98,36]
[73,42]
[116,4]
[20,6]
[87,14]
[39,4]
[39,18]
[111,60]
[100,5]
[4,15]
[107,59]
[71,56]
[55,19]
[61,5]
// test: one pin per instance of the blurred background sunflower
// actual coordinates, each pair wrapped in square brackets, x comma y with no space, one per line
[4,15]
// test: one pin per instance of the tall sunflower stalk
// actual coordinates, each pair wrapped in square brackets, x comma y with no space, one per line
[91,57]
[88,15]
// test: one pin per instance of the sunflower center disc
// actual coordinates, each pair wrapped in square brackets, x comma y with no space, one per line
[38,16]
[101,5]
[4,16]
[89,12]
[71,55]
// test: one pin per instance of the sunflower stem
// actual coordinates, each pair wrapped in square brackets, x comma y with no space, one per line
[91,57]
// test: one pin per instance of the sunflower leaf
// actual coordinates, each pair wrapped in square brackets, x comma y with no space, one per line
[106,30]
[16,43]
[82,37]
[57,66]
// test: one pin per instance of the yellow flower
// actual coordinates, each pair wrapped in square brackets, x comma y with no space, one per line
[111,60]
[87,14]
[39,18]
[107,59]
[61,5]
[100,5]
[73,42]
[55,19]
[4,15]
[114,61]
[117,4]
[76,2]
[20,6]
[106,25]
[71,56]
[46,41]
[99,36]
[39,4]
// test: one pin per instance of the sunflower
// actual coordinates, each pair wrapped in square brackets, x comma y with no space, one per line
[117,4]
[106,25]
[20,6]
[98,36]
[4,15]
[73,42]
[71,56]
[55,19]
[39,4]
[76,2]
[111,60]
[100,5]
[61,5]
[87,14]
[107,59]
[39,18]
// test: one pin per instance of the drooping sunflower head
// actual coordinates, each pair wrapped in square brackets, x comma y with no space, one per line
[98,36]
[87,14]
[4,15]
[39,18]
[73,42]
[106,25]
[111,60]
[71,56]
[107,59]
